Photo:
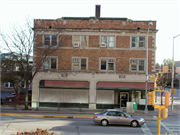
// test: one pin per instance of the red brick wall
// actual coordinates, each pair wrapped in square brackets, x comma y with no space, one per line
[94,40]
[65,41]
[122,57]
[122,41]
[93,55]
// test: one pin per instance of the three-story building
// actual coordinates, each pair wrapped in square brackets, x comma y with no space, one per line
[98,61]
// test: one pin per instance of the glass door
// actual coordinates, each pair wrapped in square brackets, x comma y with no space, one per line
[124,97]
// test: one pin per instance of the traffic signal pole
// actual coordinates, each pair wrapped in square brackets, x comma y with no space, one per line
[159,121]
[151,100]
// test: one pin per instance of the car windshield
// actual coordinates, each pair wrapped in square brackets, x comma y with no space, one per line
[127,114]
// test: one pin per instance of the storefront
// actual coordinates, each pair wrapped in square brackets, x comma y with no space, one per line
[124,92]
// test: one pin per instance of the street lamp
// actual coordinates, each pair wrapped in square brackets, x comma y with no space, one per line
[173,74]
[146,109]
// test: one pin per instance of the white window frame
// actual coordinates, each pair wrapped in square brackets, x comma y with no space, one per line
[80,39]
[108,40]
[50,39]
[49,63]
[79,58]
[9,85]
[137,66]
[138,37]
[107,61]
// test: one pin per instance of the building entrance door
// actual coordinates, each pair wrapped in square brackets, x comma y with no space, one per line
[124,97]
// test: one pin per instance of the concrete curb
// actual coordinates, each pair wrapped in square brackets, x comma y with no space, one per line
[55,116]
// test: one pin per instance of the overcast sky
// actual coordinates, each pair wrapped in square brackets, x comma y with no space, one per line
[165,12]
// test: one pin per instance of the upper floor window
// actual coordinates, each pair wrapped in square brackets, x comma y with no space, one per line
[79,63]
[80,41]
[138,42]
[50,40]
[8,85]
[107,64]
[50,63]
[137,64]
[108,41]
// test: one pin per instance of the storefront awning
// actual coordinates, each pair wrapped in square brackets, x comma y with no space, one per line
[100,88]
[124,85]
[57,87]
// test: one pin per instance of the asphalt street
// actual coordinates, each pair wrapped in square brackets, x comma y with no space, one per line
[69,126]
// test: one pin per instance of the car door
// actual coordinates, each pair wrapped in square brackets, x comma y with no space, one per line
[122,120]
[112,117]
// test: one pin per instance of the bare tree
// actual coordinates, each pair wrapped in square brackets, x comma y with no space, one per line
[20,43]
[168,62]
[163,79]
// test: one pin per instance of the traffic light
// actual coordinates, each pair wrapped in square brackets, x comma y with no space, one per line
[164,113]
[151,97]
[167,95]
[174,90]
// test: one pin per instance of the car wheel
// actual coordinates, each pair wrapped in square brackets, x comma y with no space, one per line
[104,122]
[134,123]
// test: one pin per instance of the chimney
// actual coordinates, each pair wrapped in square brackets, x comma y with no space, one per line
[98,8]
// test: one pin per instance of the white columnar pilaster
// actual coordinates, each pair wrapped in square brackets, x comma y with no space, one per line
[92,94]
[35,92]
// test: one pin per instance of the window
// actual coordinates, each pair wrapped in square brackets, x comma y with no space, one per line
[107,64]
[138,42]
[111,114]
[137,65]
[50,63]
[50,40]
[8,85]
[79,63]
[108,41]
[81,40]
[120,114]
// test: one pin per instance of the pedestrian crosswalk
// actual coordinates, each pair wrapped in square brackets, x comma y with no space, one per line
[172,127]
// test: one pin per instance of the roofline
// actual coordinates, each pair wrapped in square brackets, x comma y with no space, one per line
[101,18]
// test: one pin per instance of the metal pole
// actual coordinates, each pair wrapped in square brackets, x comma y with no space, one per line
[173,74]
[172,87]
[159,121]
[146,109]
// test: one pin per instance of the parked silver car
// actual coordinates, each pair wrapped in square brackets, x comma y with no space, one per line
[117,117]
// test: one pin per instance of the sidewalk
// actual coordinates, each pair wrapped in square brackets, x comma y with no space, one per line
[71,112]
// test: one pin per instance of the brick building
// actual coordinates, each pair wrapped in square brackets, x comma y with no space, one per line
[98,61]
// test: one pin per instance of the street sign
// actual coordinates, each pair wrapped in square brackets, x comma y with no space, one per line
[134,106]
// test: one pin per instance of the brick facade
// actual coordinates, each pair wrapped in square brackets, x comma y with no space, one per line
[122,30]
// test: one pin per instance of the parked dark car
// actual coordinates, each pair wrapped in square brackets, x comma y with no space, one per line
[117,117]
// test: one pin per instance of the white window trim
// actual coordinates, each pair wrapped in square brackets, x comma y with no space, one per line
[106,63]
[50,39]
[80,63]
[107,46]
[50,62]
[137,65]
[8,85]
[137,42]
[87,37]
